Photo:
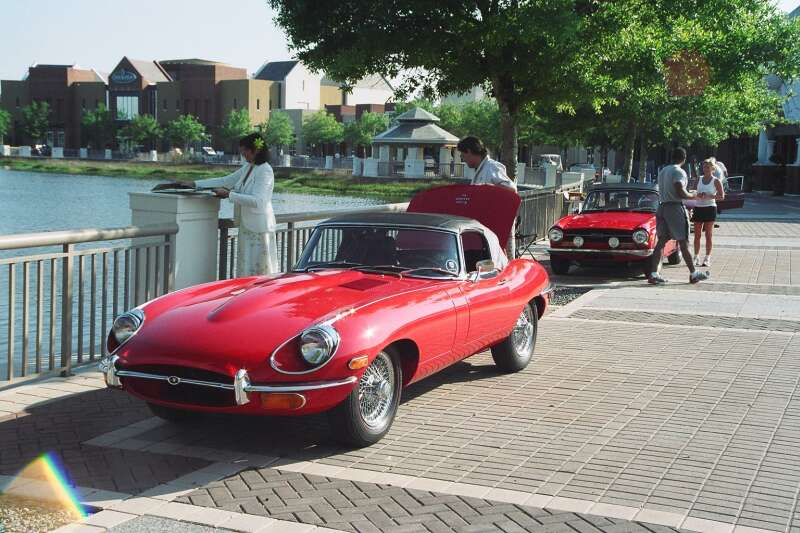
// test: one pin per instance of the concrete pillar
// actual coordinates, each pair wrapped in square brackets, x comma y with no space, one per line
[444,162]
[153,156]
[797,158]
[770,151]
[194,248]
[358,166]
[6,150]
[286,160]
[24,151]
[83,153]
[57,152]
[520,172]
[371,167]
[328,162]
[550,175]
[107,154]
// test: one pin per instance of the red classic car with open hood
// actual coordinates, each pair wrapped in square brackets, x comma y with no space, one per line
[376,301]
[616,225]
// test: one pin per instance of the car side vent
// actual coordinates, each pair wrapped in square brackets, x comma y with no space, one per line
[363,284]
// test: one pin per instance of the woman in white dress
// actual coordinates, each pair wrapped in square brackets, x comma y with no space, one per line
[250,191]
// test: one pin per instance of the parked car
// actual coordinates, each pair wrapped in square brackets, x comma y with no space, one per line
[376,302]
[615,225]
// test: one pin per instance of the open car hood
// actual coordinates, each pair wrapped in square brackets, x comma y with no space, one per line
[493,206]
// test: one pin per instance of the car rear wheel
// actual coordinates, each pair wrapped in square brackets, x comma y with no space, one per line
[366,415]
[559,265]
[516,351]
[176,416]
[674,258]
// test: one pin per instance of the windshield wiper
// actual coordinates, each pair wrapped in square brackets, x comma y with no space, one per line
[392,269]
[330,264]
[411,271]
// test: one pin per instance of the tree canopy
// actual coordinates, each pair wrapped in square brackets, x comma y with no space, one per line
[5,123]
[360,133]
[237,125]
[322,128]
[142,130]
[278,130]
[97,126]
[36,120]
[184,130]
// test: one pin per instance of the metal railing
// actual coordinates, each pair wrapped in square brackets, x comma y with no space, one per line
[75,293]
[294,230]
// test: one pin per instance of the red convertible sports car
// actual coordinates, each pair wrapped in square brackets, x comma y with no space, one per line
[376,302]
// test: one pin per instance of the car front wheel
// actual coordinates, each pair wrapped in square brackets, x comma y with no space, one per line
[674,258]
[516,351]
[367,413]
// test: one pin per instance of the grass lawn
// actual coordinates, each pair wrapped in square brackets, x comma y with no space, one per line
[287,181]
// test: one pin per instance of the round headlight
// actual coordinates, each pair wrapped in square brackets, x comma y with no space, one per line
[318,344]
[555,234]
[578,241]
[641,236]
[127,324]
[613,242]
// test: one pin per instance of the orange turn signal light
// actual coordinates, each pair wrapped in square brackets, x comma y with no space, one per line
[359,362]
[291,401]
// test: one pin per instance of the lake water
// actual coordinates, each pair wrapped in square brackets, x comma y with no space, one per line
[32,202]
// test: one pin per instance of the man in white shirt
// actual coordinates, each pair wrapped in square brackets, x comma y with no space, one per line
[487,170]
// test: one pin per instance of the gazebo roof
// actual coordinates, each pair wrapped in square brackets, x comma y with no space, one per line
[416,127]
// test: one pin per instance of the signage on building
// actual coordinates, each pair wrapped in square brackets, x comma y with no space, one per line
[123,76]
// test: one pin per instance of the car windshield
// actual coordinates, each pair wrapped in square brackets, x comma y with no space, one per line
[411,252]
[621,200]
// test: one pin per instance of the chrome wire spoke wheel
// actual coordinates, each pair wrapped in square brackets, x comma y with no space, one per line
[376,391]
[522,335]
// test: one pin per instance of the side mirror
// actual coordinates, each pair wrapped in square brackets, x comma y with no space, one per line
[576,208]
[484,269]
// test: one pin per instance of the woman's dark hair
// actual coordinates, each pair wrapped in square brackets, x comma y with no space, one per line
[472,145]
[251,142]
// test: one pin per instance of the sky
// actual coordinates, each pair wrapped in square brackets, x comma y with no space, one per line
[98,33]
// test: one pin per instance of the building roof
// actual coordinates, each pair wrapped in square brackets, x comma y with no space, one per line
[275,70]
[370,81]
[422,220]
[192,61]
[417,127]
[795,12]
[150,70]
[417,115]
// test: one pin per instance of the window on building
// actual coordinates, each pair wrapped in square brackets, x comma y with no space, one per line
[96,103]
[177,105]
[304,85]
[197,108]
[83,103]
[127,107]
[186,107]
[235,104]
[17,102]
[165,104]
[270,103]
[258,103]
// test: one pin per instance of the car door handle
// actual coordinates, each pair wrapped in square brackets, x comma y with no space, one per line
[502,282]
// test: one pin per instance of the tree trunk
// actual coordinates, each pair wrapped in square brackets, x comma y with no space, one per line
[630,145]
[509,142]
[642,158]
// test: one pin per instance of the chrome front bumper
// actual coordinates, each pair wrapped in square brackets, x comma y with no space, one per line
[241,385]
[637,252]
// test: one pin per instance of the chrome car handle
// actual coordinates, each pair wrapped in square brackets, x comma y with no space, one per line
[502,282]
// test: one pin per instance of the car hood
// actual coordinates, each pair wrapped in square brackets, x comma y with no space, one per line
[257,314]
[493,206]
[615,220]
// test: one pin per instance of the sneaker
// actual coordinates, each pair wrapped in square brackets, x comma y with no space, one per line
[697,276]
[697,260]
[707,261]
[656,279]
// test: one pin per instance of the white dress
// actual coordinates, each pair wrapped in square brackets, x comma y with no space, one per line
[251,194]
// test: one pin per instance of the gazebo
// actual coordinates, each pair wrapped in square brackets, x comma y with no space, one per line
[401,149]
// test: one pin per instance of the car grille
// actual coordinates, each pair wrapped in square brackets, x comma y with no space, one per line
[599,238]
[183,392]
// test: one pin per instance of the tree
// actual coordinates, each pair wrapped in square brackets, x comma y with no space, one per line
[520,52]
[98,127]
[322,128]
[5,123]
[184,130]
[142,130]
[36,121]
[278,131]
[360,133]
[236,125]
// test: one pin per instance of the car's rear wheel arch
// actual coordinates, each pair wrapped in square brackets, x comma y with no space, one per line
[540,305]
[409,357]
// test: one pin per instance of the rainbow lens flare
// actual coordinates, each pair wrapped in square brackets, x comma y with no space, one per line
[44,479]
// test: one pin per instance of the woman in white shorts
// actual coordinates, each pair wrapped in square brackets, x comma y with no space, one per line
[704,213]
